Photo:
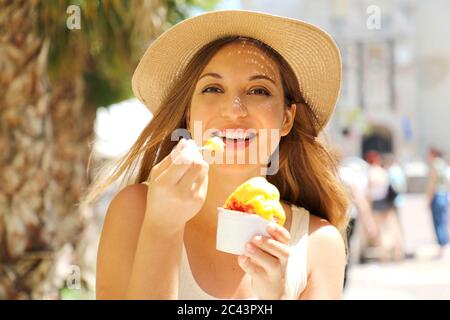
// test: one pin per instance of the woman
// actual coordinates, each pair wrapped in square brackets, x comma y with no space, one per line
[437,194]
[209,73]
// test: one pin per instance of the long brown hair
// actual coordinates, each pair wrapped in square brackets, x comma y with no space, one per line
[307,174]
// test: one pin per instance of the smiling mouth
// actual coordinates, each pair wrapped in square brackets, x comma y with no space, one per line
[231,140]
[235,137]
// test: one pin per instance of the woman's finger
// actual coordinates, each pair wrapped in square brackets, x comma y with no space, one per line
[190,153]
[202,177]
[272,246]
[191,180]
[183,159]
[164,164]
[268,262]
[279,233]
[250,267]
[176,170]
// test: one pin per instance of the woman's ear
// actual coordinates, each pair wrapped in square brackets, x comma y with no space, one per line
[288,122]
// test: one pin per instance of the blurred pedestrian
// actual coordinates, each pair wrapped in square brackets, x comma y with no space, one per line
[397,187]
[437,195]
[353,173]
[381,195]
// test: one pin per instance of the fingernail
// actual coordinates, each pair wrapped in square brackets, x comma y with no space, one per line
[250,248]
[257,239]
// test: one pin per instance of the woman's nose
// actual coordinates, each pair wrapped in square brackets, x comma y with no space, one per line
[234,109]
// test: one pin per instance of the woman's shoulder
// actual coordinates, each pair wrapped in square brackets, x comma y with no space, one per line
[326,247]
[118,240]
[131,197]
[324,242]
[322,229]
[318,226]
[128,205]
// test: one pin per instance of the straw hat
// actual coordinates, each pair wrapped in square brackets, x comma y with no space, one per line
[311,53]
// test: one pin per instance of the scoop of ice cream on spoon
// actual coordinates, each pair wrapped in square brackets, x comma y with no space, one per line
[215,144]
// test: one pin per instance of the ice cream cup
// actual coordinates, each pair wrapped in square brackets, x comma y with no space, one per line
[235,229]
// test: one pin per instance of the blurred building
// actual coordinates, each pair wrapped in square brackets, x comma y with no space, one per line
[396,59]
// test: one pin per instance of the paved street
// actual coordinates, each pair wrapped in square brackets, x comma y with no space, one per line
[421,277]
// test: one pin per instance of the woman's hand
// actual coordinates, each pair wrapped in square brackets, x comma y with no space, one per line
[265,260]
[177,187]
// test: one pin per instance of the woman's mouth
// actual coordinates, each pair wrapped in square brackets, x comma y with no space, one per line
[236,139]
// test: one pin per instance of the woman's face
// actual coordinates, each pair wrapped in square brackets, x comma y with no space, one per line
[239,94]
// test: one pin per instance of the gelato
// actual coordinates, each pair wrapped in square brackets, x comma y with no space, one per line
[215,144]
[257,196]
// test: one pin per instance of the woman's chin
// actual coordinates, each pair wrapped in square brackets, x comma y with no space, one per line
[234,162]
[234,168]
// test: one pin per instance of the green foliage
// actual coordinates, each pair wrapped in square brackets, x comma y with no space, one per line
[178,9]
[82,294]
[104,50]
[104,91]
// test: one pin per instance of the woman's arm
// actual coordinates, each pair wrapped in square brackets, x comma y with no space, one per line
[326,262]
[140,250]
[134,261]
[156,264]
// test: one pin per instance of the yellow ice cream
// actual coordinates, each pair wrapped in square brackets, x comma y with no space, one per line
[215,144]
[257,196]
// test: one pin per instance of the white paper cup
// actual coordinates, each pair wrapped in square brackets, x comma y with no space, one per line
[235,229]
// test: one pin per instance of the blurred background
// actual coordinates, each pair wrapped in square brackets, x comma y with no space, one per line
[66,105]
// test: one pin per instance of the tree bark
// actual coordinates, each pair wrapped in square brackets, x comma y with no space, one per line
[46,136]
[44,152]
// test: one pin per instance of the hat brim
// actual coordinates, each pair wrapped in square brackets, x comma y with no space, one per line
[311,53]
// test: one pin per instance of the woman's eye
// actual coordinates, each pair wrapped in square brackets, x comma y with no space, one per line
[206,90]
[260,91]
[257,91]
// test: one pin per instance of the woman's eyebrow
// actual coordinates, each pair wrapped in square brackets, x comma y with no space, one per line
[254,77]
[260,76]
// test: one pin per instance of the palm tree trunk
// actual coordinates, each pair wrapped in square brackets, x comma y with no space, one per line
[44,152]
[25,158]
[46,131]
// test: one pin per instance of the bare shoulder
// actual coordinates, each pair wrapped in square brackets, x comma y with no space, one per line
[118,240]
[326,261]
[325,243]
[320,230]
[126,210]
[132,199]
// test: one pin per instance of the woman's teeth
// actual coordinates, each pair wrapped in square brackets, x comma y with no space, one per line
[236,135]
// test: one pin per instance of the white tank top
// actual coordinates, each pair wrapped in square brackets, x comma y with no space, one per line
[296,273]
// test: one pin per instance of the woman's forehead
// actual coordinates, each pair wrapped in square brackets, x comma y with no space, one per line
[247,56]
